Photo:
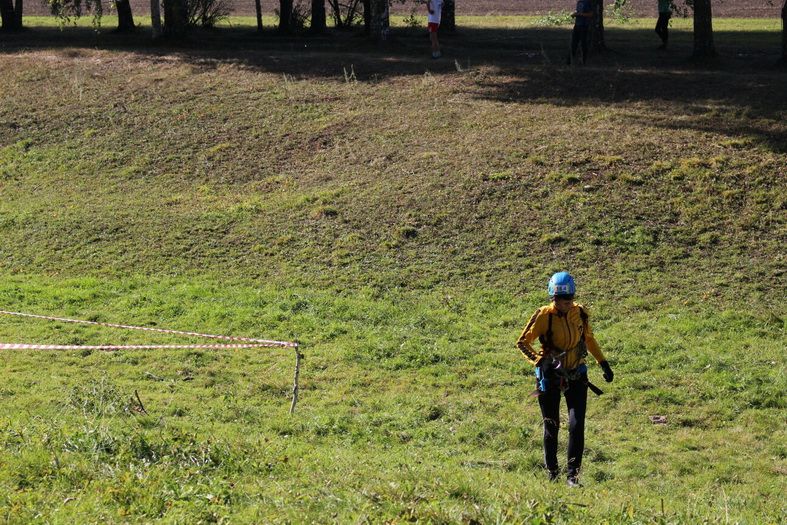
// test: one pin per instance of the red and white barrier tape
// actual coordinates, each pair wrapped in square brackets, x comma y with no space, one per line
[255,343]
[23,346]
[248,342]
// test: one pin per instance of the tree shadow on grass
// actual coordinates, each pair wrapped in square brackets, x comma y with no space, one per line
[507,65]
[728,102]
[407,52]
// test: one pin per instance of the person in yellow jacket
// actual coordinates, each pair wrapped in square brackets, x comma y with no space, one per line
[563,329]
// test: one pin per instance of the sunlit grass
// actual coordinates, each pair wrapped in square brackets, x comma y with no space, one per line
[108,21]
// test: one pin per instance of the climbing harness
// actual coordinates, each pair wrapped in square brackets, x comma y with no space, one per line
[553,365]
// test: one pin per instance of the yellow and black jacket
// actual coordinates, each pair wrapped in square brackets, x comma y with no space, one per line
[567,332]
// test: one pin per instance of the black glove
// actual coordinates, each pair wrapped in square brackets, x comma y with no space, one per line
[608,375]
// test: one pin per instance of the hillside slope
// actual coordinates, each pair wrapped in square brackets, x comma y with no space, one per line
[659,181]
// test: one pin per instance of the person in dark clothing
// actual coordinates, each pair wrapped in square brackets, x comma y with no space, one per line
[583,17]
[576,401]
[563,328]
[662,25]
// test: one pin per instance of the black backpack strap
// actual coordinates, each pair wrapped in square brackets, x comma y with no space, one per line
[546,339]
[549,330]
[584,316]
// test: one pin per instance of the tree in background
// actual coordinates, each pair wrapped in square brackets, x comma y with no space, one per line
[703,29]
[207,13]
[597,43]
[155,18]
[65,10]
[347,13]
[11,16]
[175,18]
[258,10]
[285,16]
[125,17]
[448,16]
[703,25]
[784,33]
[378,20]
[318,22]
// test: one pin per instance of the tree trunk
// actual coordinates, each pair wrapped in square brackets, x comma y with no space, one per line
[155,18]
[125,18]
[285,16]
[258,10]
[378,29]
[703,30]
[175,18]
[8,15]
[597,43]
[784,32]
[448,16]
[367,16]
[318,24]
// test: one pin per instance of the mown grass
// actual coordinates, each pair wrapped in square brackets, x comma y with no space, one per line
[108,21]
[400,222]
[413,404]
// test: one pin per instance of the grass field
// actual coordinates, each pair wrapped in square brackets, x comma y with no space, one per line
[109,21]
[400,217]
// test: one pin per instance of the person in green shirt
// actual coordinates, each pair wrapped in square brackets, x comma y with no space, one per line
[662,26]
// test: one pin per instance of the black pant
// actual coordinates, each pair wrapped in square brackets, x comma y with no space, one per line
[579,37]
[576,399]
[662,27]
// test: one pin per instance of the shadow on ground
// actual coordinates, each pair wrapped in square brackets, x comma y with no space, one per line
[506,65]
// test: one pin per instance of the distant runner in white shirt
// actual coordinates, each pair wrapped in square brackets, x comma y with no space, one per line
[435,8]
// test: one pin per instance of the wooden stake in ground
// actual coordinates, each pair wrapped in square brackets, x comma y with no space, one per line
[139,403]
[298,357]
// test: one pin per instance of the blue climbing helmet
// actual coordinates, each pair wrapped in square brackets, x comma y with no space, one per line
[561,284]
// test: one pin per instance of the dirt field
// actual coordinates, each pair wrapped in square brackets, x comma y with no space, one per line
[642,8]
[728,8]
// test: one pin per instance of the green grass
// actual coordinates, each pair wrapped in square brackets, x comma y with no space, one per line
[401,223]
[413,404]
[475,21]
